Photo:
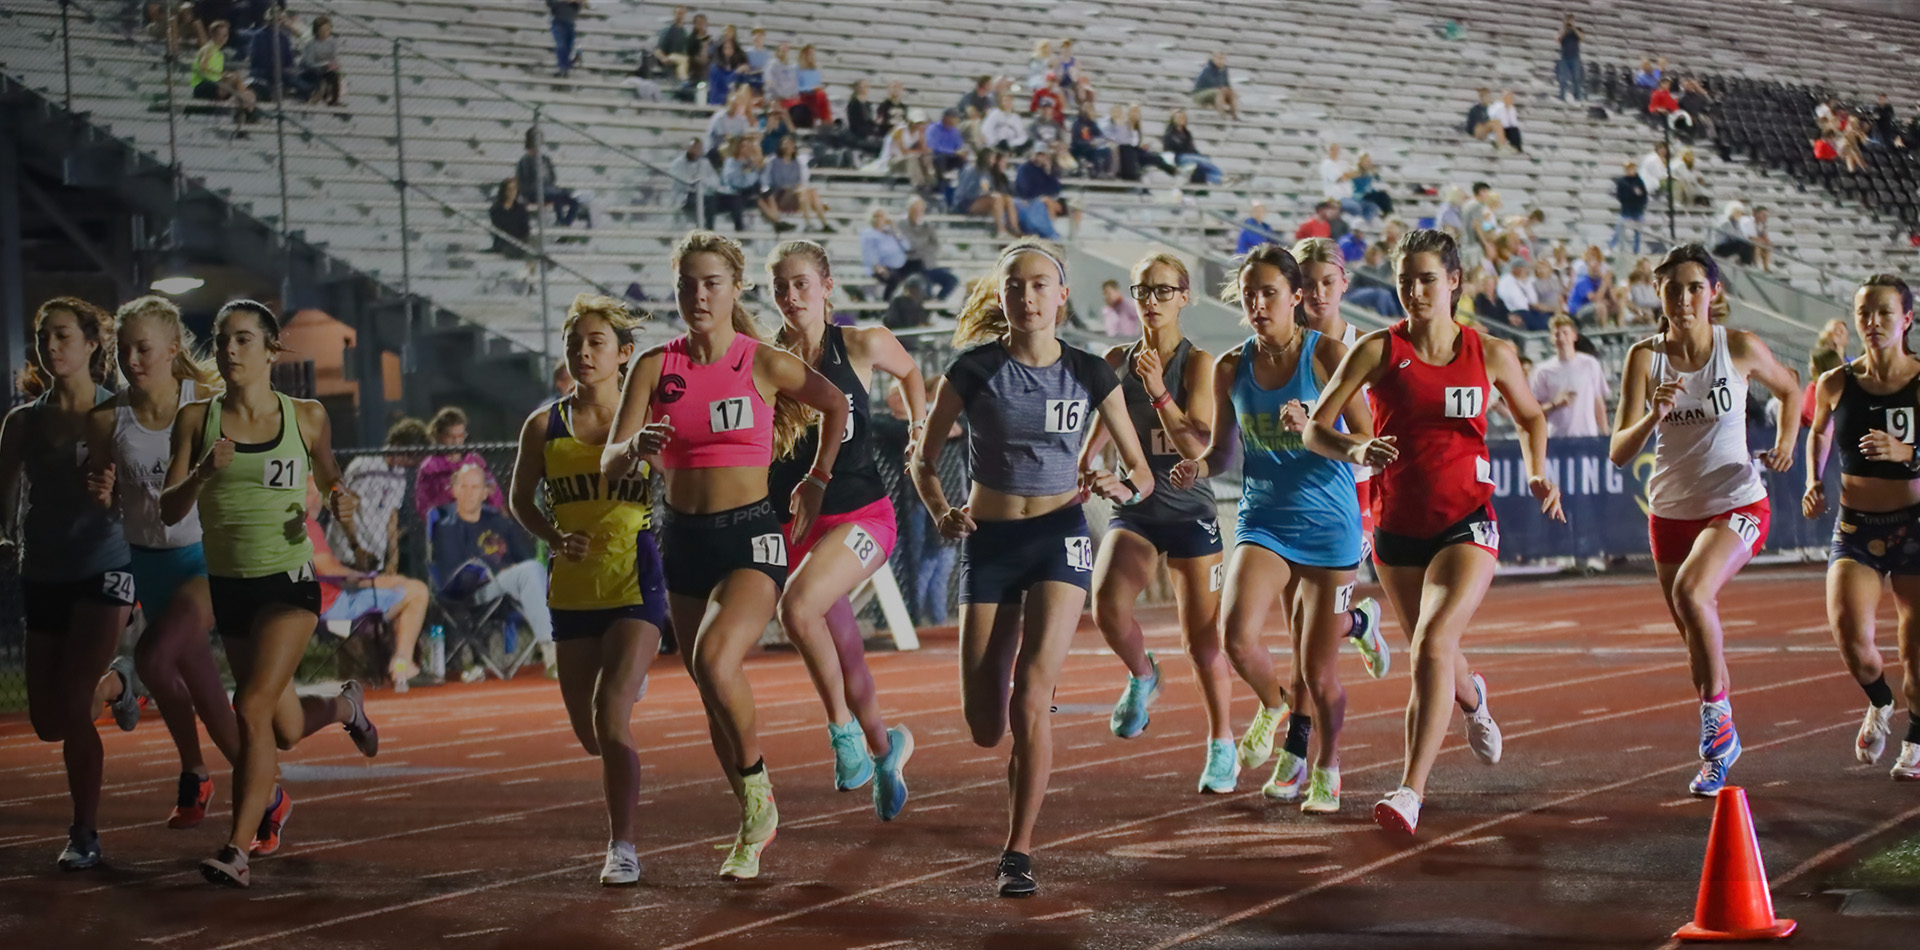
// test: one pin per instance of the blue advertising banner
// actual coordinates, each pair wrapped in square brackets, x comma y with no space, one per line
[1607,506]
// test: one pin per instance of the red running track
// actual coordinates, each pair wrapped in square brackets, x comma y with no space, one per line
[481,824]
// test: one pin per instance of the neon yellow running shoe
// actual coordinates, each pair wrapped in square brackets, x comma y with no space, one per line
[1256,744]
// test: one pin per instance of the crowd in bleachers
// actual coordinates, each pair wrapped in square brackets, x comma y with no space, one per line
[248,51]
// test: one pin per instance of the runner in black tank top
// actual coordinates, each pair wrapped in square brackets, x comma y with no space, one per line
[855,532]
[1873,403]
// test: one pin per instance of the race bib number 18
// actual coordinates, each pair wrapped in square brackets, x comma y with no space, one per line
[862,545]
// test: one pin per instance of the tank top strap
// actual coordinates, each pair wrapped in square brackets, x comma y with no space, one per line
[1304,379]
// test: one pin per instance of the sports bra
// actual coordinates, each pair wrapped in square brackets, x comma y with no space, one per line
[1857,412]
[718,416]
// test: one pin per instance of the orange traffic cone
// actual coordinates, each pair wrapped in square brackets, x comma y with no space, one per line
[1734,902]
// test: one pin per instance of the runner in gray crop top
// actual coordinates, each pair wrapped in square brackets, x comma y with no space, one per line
[1026,424]
[64,535]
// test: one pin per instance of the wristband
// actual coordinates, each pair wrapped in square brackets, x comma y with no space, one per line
[1166,398]
[817,472]
[816,481]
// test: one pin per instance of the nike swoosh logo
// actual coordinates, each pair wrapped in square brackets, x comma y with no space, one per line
[836,357]
[742,361]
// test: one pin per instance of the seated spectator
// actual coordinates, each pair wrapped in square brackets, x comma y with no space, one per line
[181,28]
[1653,169]
[894,110]
[542,187]
[945,143]
[1488,309]
[970,130]
[510,218]
[382,483]
[743,179]
[1048,103]
[1036,181]
[1885,130]
[1507,114]
[1137,155]
[1214,87]
[1762,241]
[790,186]
[1325,223]
[699,50]
[1373,199]
[1254,231]
[983,189]
[1571,387]
[1336,180]
[907,309]
[1591,299]
[781,78]
[1643,301]
[1646,77]
[1733,234]
[211,80]
[1003,128]
[1041,64]
[350,591]
[1662,101]
[730,121]
[980,98]
[1517,293]
[863,132]
[1686,184]
[273,65]
[775,127]
[1353,245]
[1478,125]
[812,108]
[320,63]
[725,65]
[1118,315]
[432,487]
[672,47]
[759,58]
[1178,139]
[906,153]
[696,185]
[923,248]
[1081,93]
[1045,133]
[1064,66]
[1698,106]
[480,555]
[1090,146]
[883,252]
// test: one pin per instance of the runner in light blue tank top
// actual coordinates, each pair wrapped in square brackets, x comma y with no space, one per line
[1295,503]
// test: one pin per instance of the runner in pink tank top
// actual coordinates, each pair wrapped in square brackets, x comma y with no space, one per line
[719,418]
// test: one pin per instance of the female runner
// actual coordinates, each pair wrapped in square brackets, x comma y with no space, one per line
[1709,503]
[1872,403]
[607,592]
[1437,540]
[133,433]
[74,581]
[244,456]
[709,404]
[1167,384]
[1299,528]
[1026,557]
[854,534]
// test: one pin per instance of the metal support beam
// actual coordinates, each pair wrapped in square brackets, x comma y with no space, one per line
[78,236]
[13,304]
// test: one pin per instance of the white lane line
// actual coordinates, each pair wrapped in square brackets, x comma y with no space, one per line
[172,937]
[1676,803]
[883,946]
[1489,839]
[1638,748]
[429,877]
[1076,748]
[1163,774]
[1590,819]
[939,807]
[1320,869]
[1196,891]
[1063,915]
[1122,834]
[275,897]
[486,755]
[635,910]
[522,781]
[390,796]
[473,933]
[1597,710]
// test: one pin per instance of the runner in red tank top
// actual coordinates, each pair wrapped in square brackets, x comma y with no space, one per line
[1437,540]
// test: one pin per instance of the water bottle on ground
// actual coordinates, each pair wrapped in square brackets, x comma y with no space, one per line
[437,651]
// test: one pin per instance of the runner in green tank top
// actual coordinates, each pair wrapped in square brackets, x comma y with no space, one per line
[245,458]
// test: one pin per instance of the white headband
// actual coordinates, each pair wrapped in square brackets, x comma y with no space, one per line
[1043,252]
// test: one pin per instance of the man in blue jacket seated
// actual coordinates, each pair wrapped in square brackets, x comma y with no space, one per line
[470,535]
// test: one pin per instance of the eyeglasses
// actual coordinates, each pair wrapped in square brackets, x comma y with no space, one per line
[1160,292]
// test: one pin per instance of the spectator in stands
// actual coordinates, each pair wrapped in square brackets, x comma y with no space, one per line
[1662,102]
[273,65]
[1478,125]
[1090,145]
[1653,169]
[1630,190]
[894,110]
[745,175]
[923,248]
[982,188]
[1041,64]
[946,145]
[790,188]
[510,218]
[382,483]
[1762,241]
[775,127]
[699,49]
[1487,309]
[1447,212]
[1507,113]
[759,58]
[1481,216]
[812,108]
[863,132]
[883,252]
[1686,183]
[1570,71]
[672,46]
[1591,299]
[1836,336]
[1571,386]
[695,184]
[432,485]
[1647,76]
[1733,233]
[1643,302]
[981,97]
[1178,139]
[906,153]
[542,186]
[211,80]
[729,122]
[725,64]
[353,588]
[1698,106]
[180,29]
[1037,181]
[1118,316]
[320,63]
[1065,67]
[1048,103]
[472,530]
[780,78]
[1002,128]
[1214,87]
[1886,130]
[1336,180]
[563,383]
[1523,304]
[1373,198]
[1553,279]
[1254,231]
[1325,223]
[908,308]
[564,16]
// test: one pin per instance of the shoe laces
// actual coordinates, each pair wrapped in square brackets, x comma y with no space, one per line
[1013,865]
[1264,723]
[1323,784]
[849,747]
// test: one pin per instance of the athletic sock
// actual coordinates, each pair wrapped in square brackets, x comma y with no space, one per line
[1878,692]
[755,769]
[1913,726]
[1356,624]
[1298,728]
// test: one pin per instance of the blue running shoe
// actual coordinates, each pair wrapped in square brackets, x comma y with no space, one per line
[852,764]
[1713,772]
[1130,713]
[890,778]
[1716,730]
[1222,775]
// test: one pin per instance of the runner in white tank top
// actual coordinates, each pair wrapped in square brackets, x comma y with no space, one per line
[1708,500]
[175,655]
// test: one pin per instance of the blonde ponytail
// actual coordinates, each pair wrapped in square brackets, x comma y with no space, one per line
[189,363]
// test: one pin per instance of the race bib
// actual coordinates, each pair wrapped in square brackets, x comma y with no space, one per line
[1900,423]
[1747,527]
[1065,415]
[1160,444]
[1464,402]
[846,434]
[1343,598]
[769,549]
[282,474]
[1080,553]
[1216,577]
[862,545]
[729,415]
[1486,534]
[117,586]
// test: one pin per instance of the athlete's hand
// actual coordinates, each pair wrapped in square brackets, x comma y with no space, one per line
[573,546]
[956,523]
[1776,459]
[1814,503]
[1147,366]
[651,438]
[1377,452]
[1186,472]
[100,486]
[217,458]
[804,505]
[1548,495]
[1664,396]
[1293,416]
[345,505]
[1881,447]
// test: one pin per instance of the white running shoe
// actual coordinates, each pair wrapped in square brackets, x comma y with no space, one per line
[1483,734]
[1874,730]
[1289,778]
[1907,767]
[622,867]
[1399,811]
[1256,744]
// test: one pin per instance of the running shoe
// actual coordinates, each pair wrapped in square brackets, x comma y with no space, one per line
[759,822]
[1014,876]
[1366,638]
[266,838]
[190,802]
[1716,730]
[1323,793]
[82,850]
[852,764]
[622,868]
[1399,811]
[1256,744]
[1906,768]
[228,868]
[1289,774]
[1483,734]
[1130,714]
[1222,774]
[1713,772]
[365,737]
[890,779]
[1874,730]
[126,708]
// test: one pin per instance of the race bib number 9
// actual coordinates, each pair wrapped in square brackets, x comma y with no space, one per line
[1080,553]
[117,586]
[282,473]
[1900,423]
[770,549]
[729,415]
[1464,402]
[862,545]
[1065,415]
